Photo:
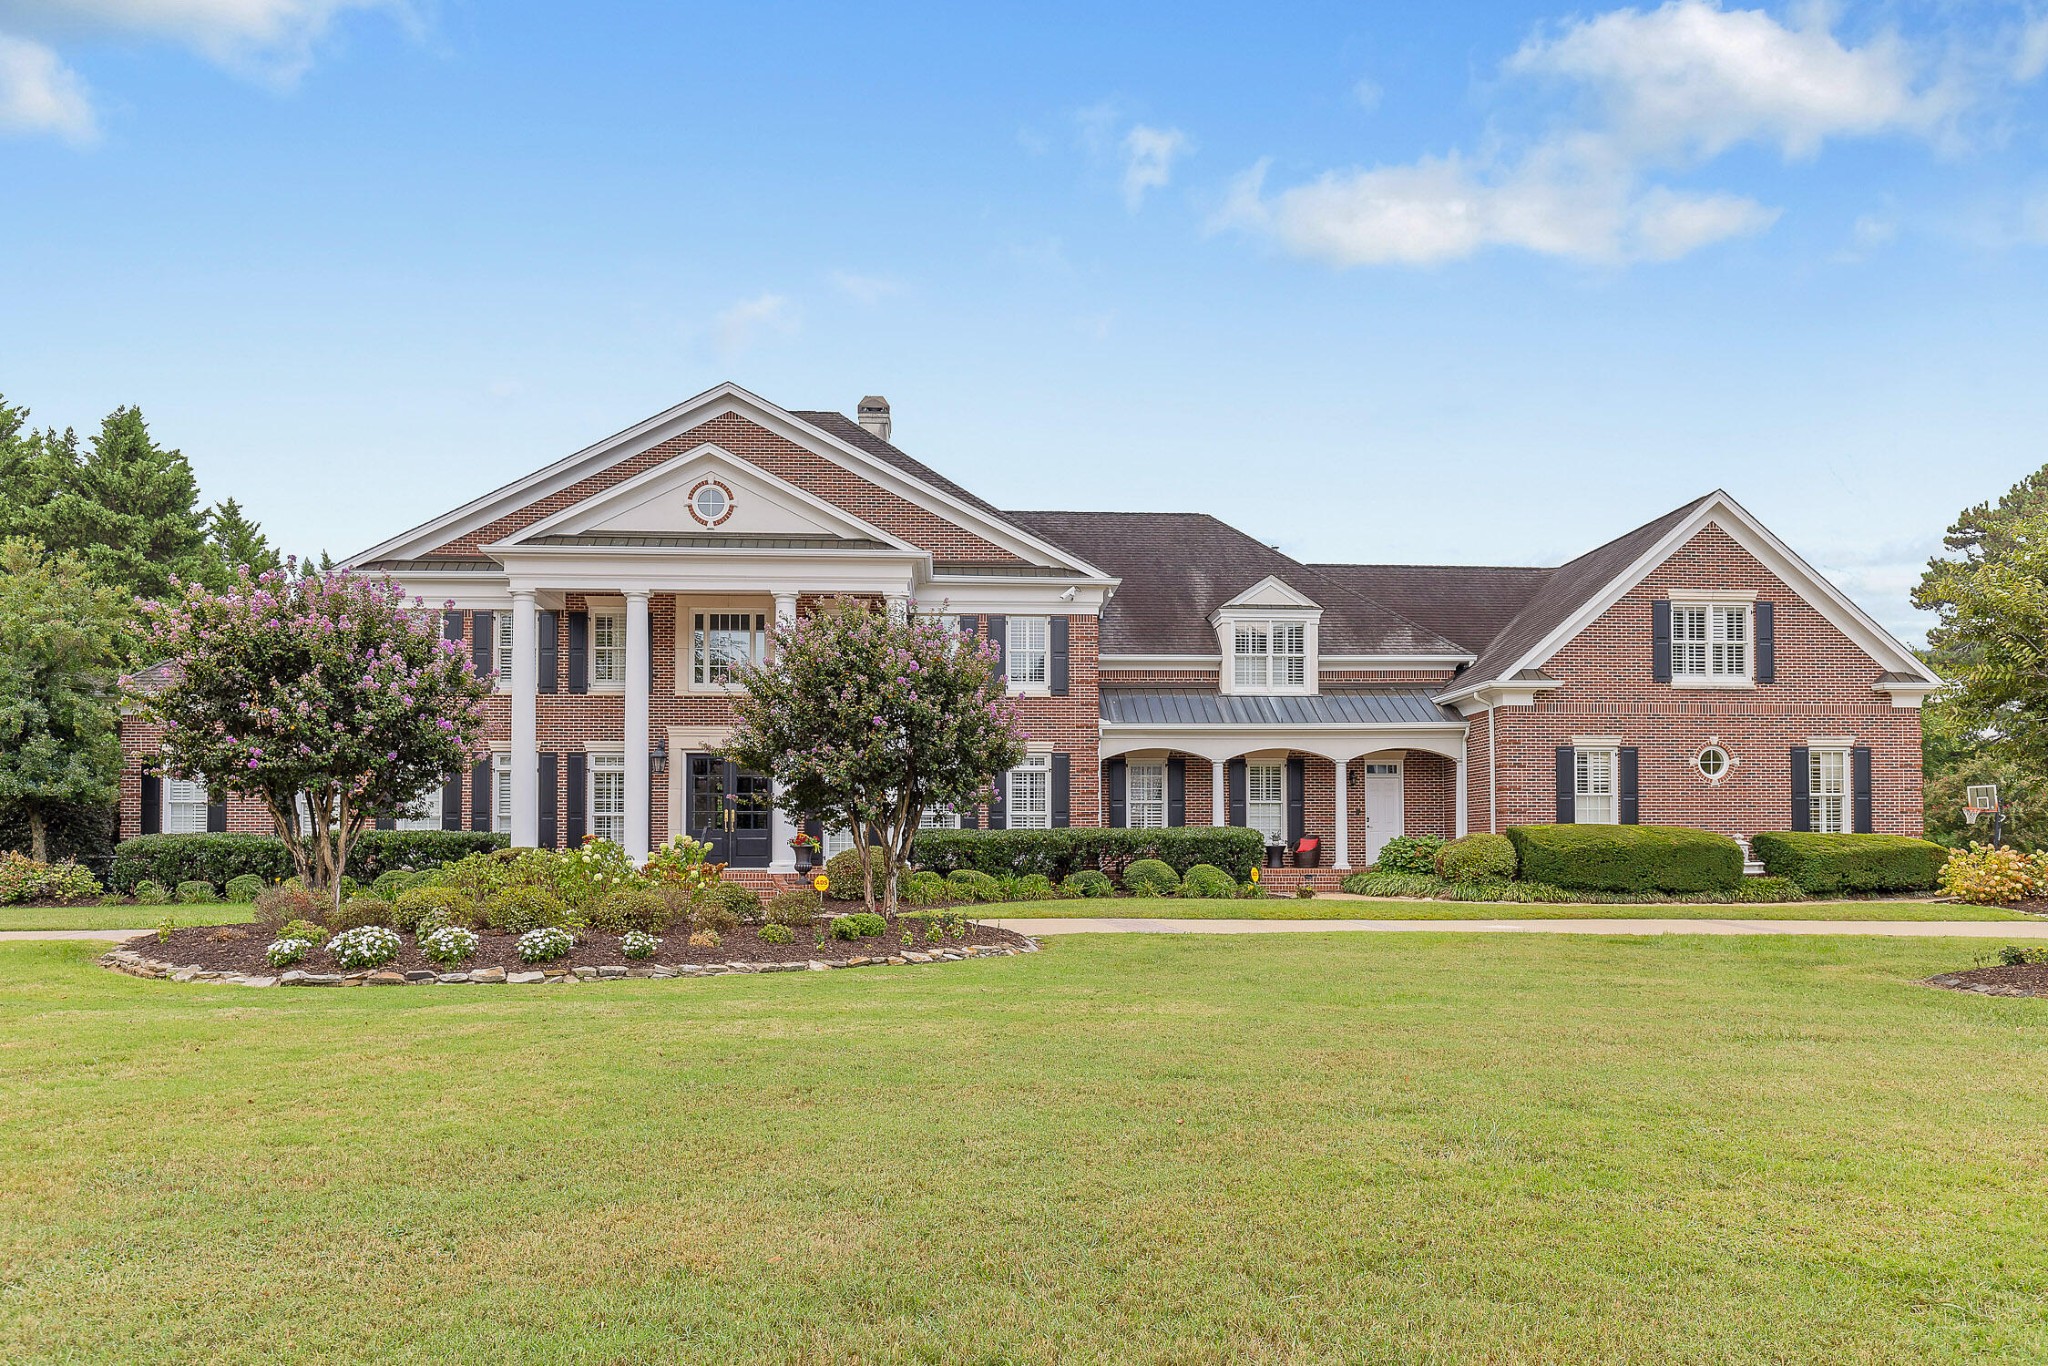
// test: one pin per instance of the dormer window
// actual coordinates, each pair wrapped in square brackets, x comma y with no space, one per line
[1269,654]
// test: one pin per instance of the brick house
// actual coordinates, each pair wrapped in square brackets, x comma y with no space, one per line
[1171,670]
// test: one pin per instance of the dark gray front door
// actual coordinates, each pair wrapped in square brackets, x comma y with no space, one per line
[732,810]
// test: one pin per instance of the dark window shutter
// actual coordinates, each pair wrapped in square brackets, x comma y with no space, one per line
[1062,791]
[999,636]
[1233,782]
[483,640]
[451,625]
[451,804]
[1859,781]
[1297,798]
[969,626]
[1568,783]
[1056,668]
[998,817]
[1177,790]
[1116,777]
[575,802]
[1625,805]
[549,655]
[480,796]
[815,828]
[547,800]
[152,804]
[387,822]
[1766,643]
[1802,793]
[1660,640]
[579,651]
[217,818]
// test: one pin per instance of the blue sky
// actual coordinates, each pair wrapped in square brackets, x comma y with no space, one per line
[1482,283]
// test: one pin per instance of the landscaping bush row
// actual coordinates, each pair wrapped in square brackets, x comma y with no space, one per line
[1627,858]
[168,860]
[1429,887]
[1057,854]
[1851,863]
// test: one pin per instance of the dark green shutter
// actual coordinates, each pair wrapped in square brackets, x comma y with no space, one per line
[1660,641]
[1766,643]
[1859,779]
[1062,791]
[1056,666]
[546,838]
[1177,790]
[1625,786]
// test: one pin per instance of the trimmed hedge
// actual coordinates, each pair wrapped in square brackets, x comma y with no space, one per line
[171,859]
[1059,854]
[1628,858]
[1820,864]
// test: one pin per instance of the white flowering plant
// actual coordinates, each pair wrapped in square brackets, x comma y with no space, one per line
[366,946]
[448,945]
[545,945]
[638,944]
[592,871]
[282,953]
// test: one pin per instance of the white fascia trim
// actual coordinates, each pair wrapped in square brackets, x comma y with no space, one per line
[1297,600]
[1395,661]
[1906,696]
[1520,692]
[621,493]
[1757,539]
[1007,597]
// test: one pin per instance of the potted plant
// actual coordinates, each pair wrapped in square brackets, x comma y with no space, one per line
[806,851]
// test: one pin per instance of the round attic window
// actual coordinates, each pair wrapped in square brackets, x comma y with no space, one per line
[1712,763]
[711,502]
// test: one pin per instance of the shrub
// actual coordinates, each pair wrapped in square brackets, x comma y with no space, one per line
[716,915]
[1151,877]
[586,875]
[969,885]
[389,884]
[1989,876]
[638,944]
[165,928]
[413,906]
[149,893]
[274,905]
[744,903]
[245,889]
[171,859]
[630,910]
[365,946]
[303,929]
[359,911]
[1407,885]
[1058,854]
[1032,887]
[2015,956]
[842,874]
[1851,863]
[448,945]
[283,953]
[1769,889]
[520,910]
[545,944]
[859,925]
[1205,881]
[22,879]
[705,939]
[1474,857]
[1250,890]
[1628,858]
[926,888]
[1305,892]
[197,894]
[1410,854]
[773,933]
[795,908]
[1090,882]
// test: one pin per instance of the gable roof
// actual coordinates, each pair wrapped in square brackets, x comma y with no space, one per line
[1178,567]
[1467,603]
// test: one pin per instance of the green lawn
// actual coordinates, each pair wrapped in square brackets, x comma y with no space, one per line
[117,917]
[1373,908]
[1122,1149]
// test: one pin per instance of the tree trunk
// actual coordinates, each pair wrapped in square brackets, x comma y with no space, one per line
[38,835]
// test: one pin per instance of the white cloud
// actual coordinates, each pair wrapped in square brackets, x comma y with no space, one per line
[2030,60]
[1149,154]
[1653,92]
[751,320]
[39,94]
[1367,93]
[866,289]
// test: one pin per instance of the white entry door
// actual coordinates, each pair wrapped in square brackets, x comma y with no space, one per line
[1383,807]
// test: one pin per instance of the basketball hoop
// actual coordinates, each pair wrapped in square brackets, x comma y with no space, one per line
[1980,799]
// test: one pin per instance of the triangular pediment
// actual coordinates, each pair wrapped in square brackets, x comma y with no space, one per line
[1273,592]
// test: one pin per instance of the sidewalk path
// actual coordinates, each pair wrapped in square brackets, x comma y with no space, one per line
[1910,929]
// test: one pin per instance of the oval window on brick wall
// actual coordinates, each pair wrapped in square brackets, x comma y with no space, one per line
[711,502]
[1713,763]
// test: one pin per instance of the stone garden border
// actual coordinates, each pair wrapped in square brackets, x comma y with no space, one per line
[135,964]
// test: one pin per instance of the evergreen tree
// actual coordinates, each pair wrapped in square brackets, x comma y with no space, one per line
[240,540]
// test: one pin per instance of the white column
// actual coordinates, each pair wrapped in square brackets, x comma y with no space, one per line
[1219,798]
[638,653]
[525,720]
[781,830]
[785,611]
[1458,796]
[1344,815]
[899,607]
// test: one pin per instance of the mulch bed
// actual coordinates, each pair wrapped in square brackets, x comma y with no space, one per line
[239,948]
[2028,979]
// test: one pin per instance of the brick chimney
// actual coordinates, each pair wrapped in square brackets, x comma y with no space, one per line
[874,415]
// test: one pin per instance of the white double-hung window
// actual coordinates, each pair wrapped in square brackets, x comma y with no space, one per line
[1027,651]
[184,807]
[608,649]
[424,813]
[723,642]
[501,793]
[608,797]
[1145,796]
[1593,789]
[1265,800]
[501,655]
[1710,642]
[1827,788]
[1030,794]
[1269,654]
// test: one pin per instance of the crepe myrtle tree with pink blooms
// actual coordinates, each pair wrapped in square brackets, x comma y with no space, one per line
[331,698]
[866,723]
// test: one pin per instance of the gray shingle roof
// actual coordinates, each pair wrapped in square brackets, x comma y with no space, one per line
[1198,707]
[708,541]
[1466,603]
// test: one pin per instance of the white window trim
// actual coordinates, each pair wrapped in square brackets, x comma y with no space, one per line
[613,761]
[1581,791]
[1709,602]
[501,791]
[617,615]
[1151,767]
[1016,686]
[1036,764]
[501,647]
[686,638]
[1845,818]
[1310,622]
[165,805]
[430,806]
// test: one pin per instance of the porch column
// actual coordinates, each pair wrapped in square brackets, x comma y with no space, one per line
[1458,795]
[899,607]
[781,830]
[638,653]
[1219,797]
[1343,815]
[785,611]
[525,774]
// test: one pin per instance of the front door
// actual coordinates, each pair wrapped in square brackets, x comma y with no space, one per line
[1383,807]
[731,810]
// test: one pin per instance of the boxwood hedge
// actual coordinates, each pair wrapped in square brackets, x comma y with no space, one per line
[171,859]
[1821,864]
[1058,854]
[1628,858]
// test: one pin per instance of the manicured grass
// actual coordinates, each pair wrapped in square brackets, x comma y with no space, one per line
[1122,1149]
[118,917]
[1374,908]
